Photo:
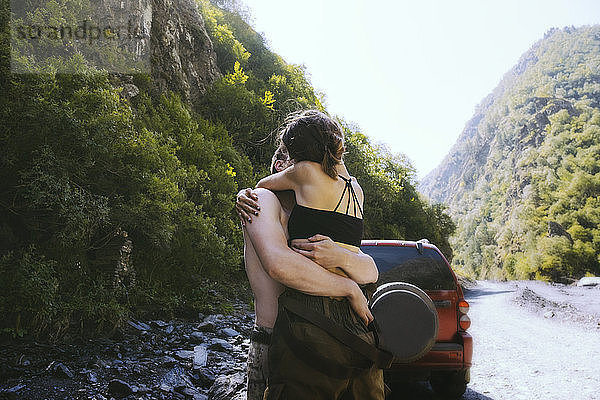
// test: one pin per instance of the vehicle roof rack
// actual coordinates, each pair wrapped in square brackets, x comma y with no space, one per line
[420,247]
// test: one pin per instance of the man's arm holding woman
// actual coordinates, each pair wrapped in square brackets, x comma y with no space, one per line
[360,267]
[292,269]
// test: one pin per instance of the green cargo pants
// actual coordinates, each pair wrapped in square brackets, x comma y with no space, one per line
[306,362]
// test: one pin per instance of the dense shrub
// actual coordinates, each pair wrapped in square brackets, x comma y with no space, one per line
[113,207]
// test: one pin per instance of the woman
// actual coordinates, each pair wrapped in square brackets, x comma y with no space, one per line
[305,361]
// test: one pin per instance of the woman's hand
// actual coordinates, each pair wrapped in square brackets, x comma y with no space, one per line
[246,204]
[322,250]
[359,266]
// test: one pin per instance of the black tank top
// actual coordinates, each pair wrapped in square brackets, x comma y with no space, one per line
[305,222]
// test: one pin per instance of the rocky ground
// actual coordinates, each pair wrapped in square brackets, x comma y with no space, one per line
[531,340]
[148,360]
[565,303]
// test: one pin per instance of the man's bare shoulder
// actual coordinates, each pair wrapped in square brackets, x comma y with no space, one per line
[265,194]
[266,228]
[268,200]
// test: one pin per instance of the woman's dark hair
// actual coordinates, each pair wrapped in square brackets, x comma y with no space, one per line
[312,136]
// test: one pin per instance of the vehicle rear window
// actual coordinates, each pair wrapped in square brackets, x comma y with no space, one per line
[428,271]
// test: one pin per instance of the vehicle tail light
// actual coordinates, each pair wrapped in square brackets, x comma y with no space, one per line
[464,322]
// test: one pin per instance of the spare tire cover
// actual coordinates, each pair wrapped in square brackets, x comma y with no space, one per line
[406,320]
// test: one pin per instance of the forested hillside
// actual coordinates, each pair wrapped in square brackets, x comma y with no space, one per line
[118,190]
[523,180]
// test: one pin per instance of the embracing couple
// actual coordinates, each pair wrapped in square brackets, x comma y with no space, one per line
[302,231]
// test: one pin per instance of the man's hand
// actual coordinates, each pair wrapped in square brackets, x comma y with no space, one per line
[359,304]
[322,250]
[246,204]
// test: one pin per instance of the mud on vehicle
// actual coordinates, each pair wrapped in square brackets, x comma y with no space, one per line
[421,301]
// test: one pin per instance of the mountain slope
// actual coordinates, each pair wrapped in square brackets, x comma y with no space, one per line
[522,182]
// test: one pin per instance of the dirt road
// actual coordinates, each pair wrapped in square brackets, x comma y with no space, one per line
[535,341]
[532,341]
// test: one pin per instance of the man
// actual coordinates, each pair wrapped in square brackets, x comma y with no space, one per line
[271,265]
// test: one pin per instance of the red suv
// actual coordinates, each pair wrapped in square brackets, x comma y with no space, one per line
[447,363]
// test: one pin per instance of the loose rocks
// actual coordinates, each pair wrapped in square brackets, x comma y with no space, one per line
[153,360]
[119,388]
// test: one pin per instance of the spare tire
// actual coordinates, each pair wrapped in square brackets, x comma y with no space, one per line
[406,320]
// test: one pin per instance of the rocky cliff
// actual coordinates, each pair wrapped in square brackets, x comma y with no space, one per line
[171,36]
[183,58]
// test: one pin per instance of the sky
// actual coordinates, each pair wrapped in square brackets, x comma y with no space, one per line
[410,74]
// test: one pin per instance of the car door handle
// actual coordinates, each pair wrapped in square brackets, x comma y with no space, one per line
[442,303]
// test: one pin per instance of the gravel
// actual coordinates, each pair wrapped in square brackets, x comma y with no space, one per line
[521,351]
